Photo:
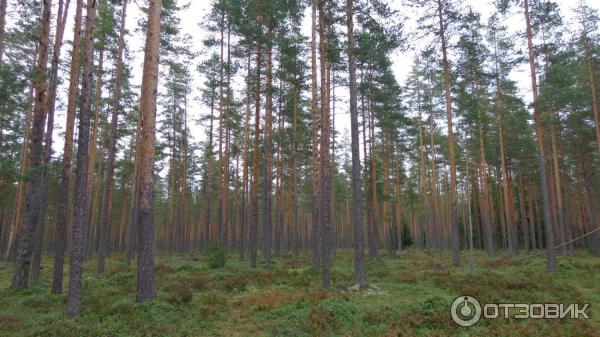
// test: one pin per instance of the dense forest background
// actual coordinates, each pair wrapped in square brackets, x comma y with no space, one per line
[454,158]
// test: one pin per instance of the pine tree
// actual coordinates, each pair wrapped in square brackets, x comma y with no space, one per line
[80,209]
[63,196]
[25,236]
[147,141]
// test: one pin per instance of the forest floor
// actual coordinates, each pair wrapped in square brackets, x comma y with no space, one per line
[285,298]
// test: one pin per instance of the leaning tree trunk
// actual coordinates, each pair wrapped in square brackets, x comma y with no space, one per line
[63,190]
[539,131]
[80,211]
[106,208]
[357,213]
[145,219]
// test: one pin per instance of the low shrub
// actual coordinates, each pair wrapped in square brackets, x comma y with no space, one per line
[215,256]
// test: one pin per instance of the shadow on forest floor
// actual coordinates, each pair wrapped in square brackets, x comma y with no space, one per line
[414,296]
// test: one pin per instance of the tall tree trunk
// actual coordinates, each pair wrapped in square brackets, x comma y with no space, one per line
[34,192]
[65,181]
[422,189]
[50,108]
[325,172]
[107,191]
[539,131]
[557,185]
[436,223]
[513,238]
[372,247]
[509,213]
[252,244]
[486,214]
[90,230]
[375,216]
[184,180]
[226,167]
[145,220]
[131,237]
[280,184]
[358,231]
[451,145]
[244,222]
[267,237]
[295,230]
[209,157]
[80,215]
[315,125]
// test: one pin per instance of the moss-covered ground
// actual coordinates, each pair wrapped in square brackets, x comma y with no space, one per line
[285,298]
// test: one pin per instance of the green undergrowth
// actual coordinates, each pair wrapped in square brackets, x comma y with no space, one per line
[197,297]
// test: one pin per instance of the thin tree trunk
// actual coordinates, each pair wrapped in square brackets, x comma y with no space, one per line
[315,126]
[268,150]
[244,222]
[209,172]
[295,230]
[524,221]
[588,196]
[50,108]
[107,191]
[360,272]
[451,146]
[325,191]
[65,181]
[224,163]
[539,131]
[557,186]
[184,180]
[373,173]
[513,238]
[131,239]
[436,224]
[422,188]
[252,244]
[486,214]
[90,230]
